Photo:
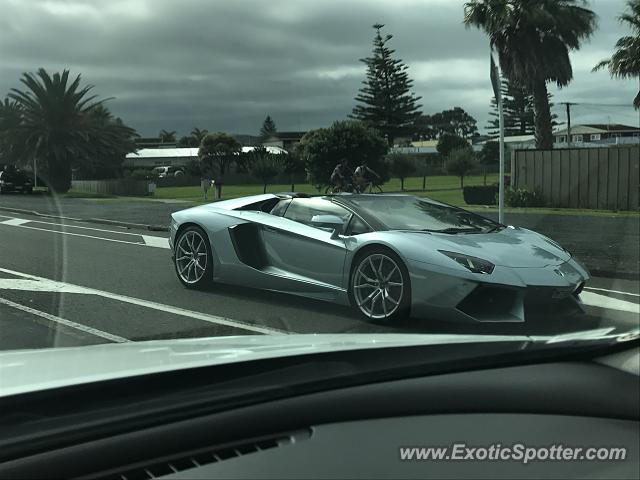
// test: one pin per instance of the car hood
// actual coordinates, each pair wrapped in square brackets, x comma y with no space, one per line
[23,371]
[510,247]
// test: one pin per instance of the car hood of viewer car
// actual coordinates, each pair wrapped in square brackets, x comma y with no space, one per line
[509,247]
[23,371]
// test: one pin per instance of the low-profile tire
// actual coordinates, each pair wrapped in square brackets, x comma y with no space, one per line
[379,286]
[193,259]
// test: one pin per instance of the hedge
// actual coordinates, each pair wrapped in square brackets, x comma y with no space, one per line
[480,195]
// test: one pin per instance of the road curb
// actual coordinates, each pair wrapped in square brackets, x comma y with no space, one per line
[102,221]
[142,226]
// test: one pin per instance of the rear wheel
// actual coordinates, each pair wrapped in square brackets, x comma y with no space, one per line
[380,287]
[193,259]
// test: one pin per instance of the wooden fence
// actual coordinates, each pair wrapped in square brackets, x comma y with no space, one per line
[593,178]
[123,186]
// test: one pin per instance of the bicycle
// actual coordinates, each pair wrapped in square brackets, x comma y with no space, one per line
[368,187]
[335,189]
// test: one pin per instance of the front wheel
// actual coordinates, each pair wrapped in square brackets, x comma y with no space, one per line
[380,288]
[193,258]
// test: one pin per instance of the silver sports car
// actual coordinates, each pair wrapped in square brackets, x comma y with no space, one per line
[386,255]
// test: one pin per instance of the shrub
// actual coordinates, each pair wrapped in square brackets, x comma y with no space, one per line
[522,197]
[481,195]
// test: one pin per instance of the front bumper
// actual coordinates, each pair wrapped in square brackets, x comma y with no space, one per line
[506,295]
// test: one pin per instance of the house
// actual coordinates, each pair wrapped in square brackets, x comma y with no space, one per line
[172,157]
[284,140]
[597,133]
[153,142]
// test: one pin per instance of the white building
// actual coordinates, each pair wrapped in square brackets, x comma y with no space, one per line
[173,157]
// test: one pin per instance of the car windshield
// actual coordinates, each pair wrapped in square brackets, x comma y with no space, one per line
[286,177]
[412,213]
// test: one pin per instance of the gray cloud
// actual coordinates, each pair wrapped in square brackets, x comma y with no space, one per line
[224,65]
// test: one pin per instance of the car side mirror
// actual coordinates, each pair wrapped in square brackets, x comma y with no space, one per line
[329,221]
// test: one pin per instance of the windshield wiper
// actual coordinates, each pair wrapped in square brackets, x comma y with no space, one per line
[497,228]
[454,230]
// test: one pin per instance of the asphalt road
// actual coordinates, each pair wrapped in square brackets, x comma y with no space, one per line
[607,244]
[76,283]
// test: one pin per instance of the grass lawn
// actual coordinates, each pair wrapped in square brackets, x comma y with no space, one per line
[443,188]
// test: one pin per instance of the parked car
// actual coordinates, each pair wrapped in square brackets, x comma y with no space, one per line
[13,179]
[168,171]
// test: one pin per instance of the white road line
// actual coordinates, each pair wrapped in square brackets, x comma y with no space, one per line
[602,301]
[14,222]
[81,235]
[148,240]
[158,242]
[66,225]
[214,319]
[65,322]
[612,291]
[39,286]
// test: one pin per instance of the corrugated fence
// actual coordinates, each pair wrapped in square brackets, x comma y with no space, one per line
[123,186]
[593,178]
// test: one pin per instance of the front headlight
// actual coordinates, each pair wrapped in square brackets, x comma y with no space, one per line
[473,264]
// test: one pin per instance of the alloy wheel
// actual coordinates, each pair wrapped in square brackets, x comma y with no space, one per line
[378,286]
[191,257]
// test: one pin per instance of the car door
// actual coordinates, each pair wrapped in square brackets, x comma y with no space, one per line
[303,249]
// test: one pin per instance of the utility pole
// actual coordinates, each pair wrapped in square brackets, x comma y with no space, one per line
[568,105]
[495,83]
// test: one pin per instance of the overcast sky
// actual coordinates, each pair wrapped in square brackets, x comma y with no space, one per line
[225,64]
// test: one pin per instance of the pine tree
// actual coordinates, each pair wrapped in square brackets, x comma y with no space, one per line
[385,102]
[268,128]
[518,112]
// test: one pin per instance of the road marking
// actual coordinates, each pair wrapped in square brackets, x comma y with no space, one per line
[58,224]
[214,319]
[612,291]
[65,322]
[602,301]
[15,222]
[148,240]
[39,286]
[158,242]
[85,236]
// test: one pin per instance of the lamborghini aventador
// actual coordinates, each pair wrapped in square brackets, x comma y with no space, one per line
[386,255]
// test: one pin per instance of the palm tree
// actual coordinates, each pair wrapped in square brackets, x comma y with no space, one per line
[112,140]
[10,119]
[625,62]
[56,124]
[198,135]
[533,39]
[167,136]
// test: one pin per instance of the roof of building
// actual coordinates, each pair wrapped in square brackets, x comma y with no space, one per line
[186,152]
[288,135]
[597,128]
[518,139]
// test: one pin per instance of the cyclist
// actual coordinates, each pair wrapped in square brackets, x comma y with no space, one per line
[341,177]
[364,177]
